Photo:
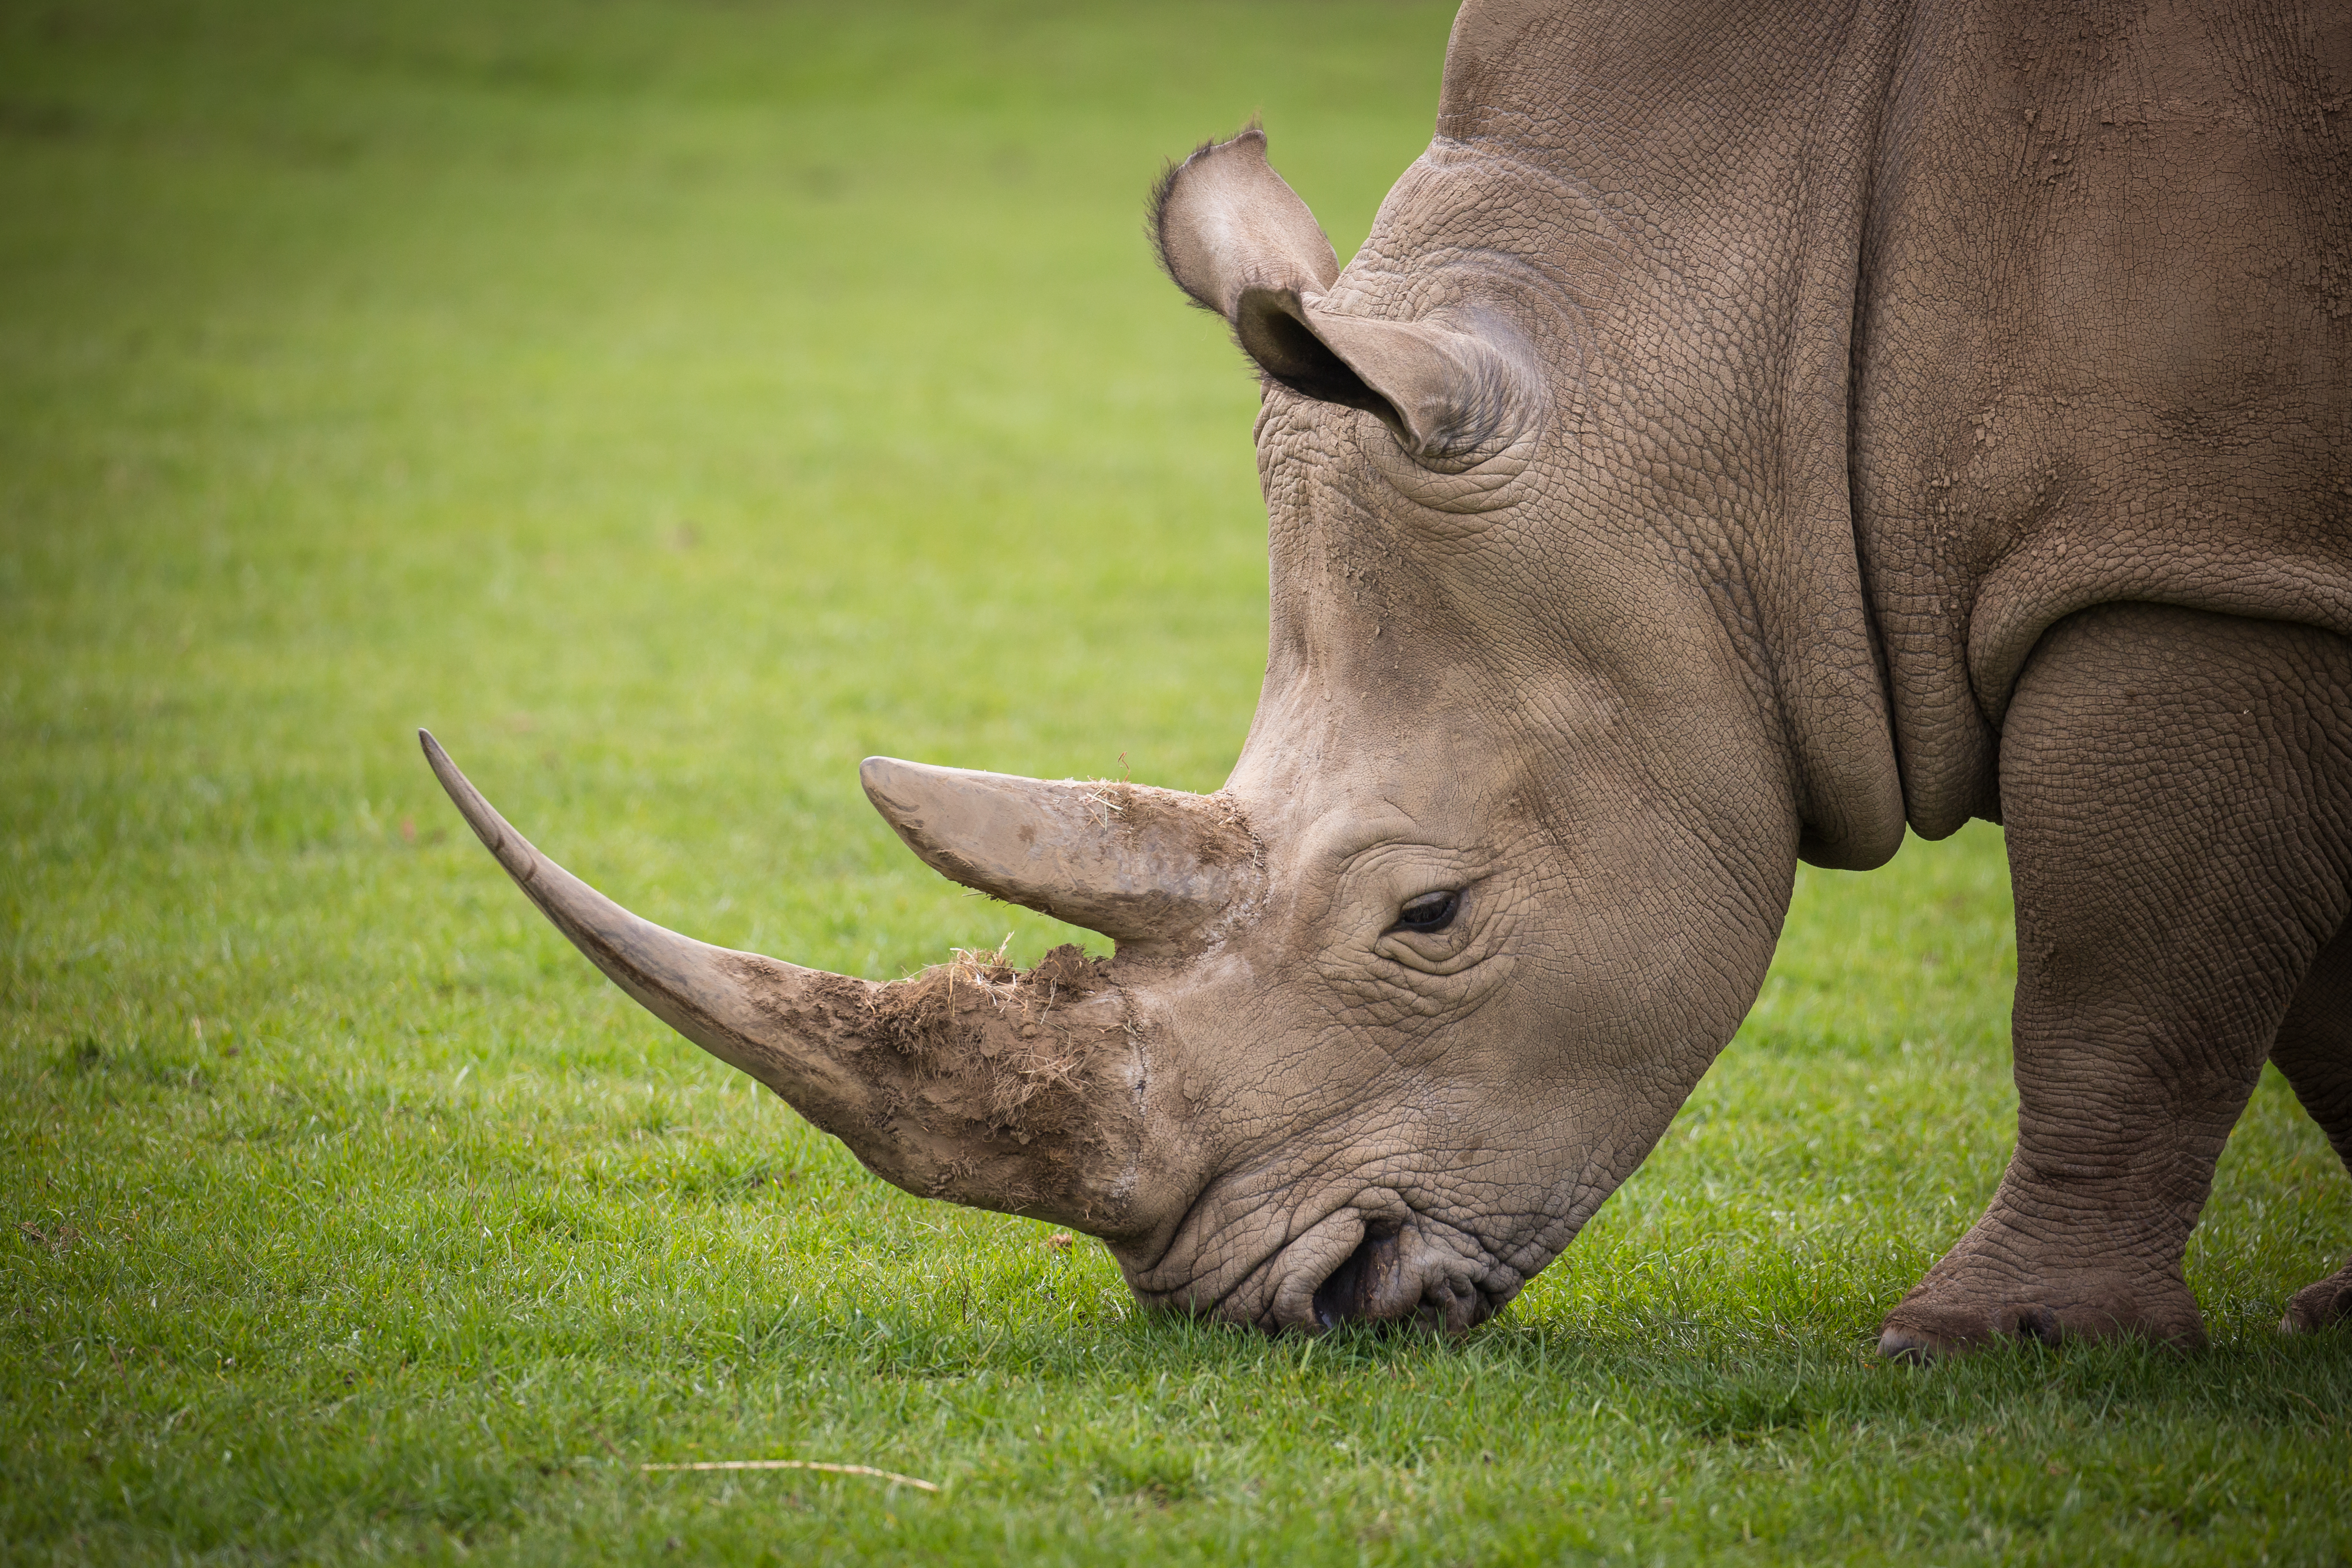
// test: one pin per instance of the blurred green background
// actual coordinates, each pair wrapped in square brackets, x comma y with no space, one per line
[671,404]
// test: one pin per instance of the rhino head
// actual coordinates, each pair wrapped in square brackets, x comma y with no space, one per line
[1502,862]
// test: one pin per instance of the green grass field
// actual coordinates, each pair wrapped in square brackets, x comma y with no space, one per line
[670,406]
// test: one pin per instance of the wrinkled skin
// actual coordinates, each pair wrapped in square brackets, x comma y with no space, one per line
[1742,435]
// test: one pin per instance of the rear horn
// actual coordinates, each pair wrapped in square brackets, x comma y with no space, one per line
[1148,867]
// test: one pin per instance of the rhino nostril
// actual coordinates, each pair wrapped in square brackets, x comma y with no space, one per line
[1356,1287]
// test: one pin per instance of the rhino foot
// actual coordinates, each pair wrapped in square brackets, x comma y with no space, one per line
[1990,1290]
[1921,1330]
[2320,1306]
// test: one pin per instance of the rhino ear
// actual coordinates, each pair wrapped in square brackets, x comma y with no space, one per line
[1224,221]
[1445,395]
[1241,243]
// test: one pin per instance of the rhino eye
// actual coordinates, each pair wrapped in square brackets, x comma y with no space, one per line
[1428,912]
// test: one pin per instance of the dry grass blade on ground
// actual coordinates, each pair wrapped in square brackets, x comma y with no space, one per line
[891,1476]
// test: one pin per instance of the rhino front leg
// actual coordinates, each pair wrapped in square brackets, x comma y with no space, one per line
[2314,1052]
[2178,803]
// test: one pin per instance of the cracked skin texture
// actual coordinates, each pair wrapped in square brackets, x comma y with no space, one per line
[1748,430]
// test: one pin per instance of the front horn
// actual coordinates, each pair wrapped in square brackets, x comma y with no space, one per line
[971,1082]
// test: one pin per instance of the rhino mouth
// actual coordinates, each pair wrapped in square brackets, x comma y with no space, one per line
[1361,1282]
[1371,1262]
[1380,1283]
[1364,1278]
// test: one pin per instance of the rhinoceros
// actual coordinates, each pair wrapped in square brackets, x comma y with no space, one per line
[1747,432]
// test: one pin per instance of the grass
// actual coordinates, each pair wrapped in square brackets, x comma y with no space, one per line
[671,406]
